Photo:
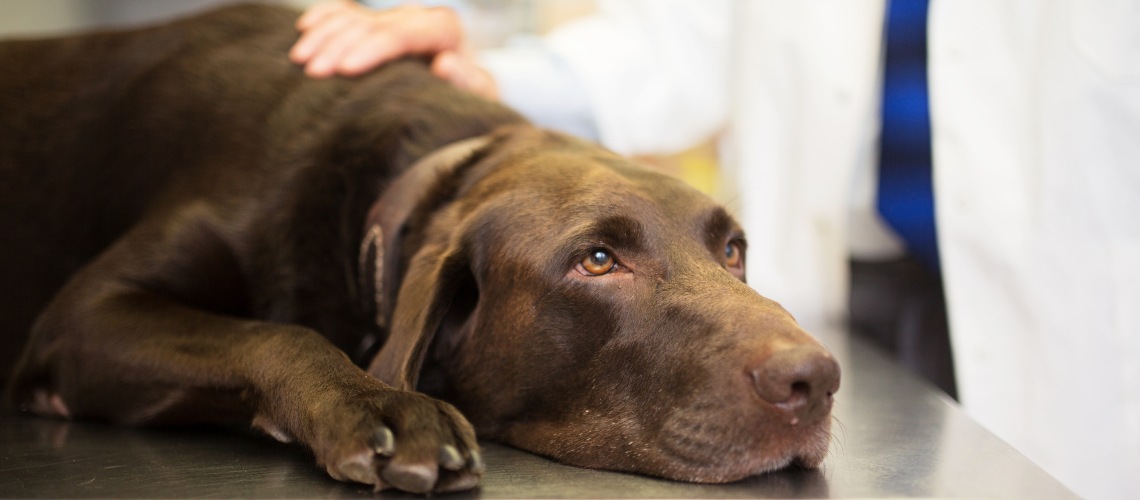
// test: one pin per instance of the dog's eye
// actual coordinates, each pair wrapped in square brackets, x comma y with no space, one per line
[732,254]
[598,262]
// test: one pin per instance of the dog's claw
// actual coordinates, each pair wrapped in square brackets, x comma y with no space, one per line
[475,463]
[384,442]
[450,459]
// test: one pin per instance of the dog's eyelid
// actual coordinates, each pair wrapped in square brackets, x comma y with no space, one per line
[584,252]
[719,229]
[739,240]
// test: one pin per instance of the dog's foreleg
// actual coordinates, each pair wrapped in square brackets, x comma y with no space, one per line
[106,348]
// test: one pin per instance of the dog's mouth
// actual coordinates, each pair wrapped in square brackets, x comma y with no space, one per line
[688,446]
[698,452]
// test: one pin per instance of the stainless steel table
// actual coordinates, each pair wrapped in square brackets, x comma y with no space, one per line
[896,436]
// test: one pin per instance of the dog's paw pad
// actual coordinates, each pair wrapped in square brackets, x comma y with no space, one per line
[359,469]
[454,483]
[413,478]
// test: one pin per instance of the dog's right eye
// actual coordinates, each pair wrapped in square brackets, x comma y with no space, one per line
[597,263]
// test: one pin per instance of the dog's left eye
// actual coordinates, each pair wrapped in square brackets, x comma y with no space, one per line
[597,262]
[732,254]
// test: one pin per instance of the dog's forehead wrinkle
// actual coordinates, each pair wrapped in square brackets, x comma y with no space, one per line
[578,174]
[576,190]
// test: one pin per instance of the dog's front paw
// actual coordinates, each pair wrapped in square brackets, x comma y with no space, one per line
[397,439]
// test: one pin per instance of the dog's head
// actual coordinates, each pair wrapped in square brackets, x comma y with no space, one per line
[575,305]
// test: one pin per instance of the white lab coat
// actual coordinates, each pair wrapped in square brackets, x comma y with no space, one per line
[1036,112]
[1036,135]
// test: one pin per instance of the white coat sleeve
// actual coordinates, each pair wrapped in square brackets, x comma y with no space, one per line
[533,80]
[646,76]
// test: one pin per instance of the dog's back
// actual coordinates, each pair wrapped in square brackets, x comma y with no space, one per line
[86,146]
[102,129]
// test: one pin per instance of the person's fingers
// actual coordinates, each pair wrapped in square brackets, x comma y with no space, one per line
[348,39]
[483,84]
[426,30]
[328,60]
[375,48]
[463,72]
[314,39]
[320,11]
[408,30]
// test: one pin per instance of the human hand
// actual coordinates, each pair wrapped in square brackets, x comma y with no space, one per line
[339,37]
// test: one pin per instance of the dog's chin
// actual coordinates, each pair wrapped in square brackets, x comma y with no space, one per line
[693,457]
[801,448]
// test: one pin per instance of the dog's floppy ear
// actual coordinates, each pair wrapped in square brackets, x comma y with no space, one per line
[410,305]
[424,299]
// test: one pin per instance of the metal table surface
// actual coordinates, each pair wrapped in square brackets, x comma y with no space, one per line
[896,436]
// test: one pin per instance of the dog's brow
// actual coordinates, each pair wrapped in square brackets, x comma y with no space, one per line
[717,225]
[619,231]
[615,230]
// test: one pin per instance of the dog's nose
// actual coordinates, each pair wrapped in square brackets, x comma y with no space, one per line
[799,380]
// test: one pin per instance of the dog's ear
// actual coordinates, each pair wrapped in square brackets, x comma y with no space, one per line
[410,305]
[434,275]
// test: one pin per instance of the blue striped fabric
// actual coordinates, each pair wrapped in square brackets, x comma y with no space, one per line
[906,199]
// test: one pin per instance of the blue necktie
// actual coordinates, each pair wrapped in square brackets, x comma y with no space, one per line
[906,197]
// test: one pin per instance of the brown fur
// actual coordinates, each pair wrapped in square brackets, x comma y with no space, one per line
[196,232]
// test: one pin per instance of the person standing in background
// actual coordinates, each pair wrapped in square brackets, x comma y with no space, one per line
[1035,111]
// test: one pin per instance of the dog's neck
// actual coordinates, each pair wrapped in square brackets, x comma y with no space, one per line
[379,261]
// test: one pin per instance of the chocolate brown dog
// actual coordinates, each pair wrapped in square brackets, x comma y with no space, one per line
[195,232]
